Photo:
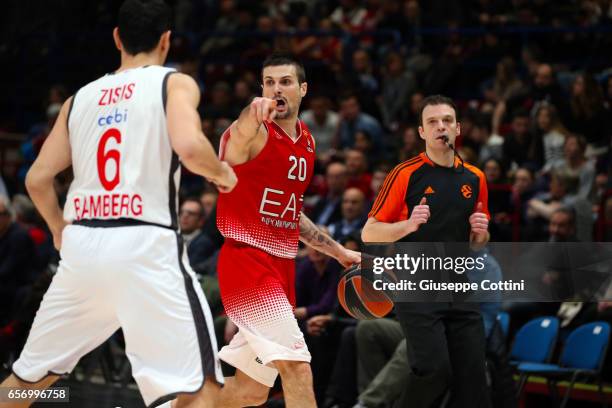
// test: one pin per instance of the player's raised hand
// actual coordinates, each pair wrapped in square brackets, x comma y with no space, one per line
[262,109]
[479,221]
[420,215]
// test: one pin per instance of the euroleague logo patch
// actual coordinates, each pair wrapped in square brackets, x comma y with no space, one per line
[466,191]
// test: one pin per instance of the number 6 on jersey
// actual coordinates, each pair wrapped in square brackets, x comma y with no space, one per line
[111,154]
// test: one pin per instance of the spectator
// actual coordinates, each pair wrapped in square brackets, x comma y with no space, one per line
[316,280]
[304,45]
[412,144]
[227,21]
[363,79]
[552,133]
[360,79]
[208,199]
[562,226]
[485,144]
[27,217]
[200,246]
[243,93]
[545,88]
[575,162]
[500,200]
[328,209]
[353,214]
[412,118]
[363,143]
[563,193]
[191,218]
[353,119]
[522,191]
[322,122]
[357,168]
[378,178]
[329,49]
[507,83]
[221,104]
[520,146]
[587,114]
[17,260]
[398,85]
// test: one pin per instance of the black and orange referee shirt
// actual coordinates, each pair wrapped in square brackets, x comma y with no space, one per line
[452,194]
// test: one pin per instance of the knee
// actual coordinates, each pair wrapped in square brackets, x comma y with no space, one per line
[365,331]
[293,369]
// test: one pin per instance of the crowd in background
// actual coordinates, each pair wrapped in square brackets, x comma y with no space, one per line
[532,79]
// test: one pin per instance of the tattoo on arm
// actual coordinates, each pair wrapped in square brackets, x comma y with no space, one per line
[311,235]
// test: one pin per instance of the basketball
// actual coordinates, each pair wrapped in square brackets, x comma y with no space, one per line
[359,298]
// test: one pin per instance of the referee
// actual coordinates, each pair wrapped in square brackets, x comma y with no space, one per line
[435,197]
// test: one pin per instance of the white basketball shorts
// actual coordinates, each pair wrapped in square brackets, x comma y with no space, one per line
[130,278]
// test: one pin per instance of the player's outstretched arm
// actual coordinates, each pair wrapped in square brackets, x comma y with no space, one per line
[248,124]
[186,135]
[54,157]
[312,236]
[247,130]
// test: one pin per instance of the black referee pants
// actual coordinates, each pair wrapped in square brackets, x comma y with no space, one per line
[446,351]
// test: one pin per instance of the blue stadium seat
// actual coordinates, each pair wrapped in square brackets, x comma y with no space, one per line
[534,342]
[583,356]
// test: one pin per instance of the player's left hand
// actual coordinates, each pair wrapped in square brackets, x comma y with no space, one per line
[479,222]
[349,257]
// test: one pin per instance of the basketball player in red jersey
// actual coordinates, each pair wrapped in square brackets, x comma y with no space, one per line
[273,154]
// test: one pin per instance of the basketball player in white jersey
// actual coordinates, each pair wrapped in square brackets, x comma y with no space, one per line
[123,263]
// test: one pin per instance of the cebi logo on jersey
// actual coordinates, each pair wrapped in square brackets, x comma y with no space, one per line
[115,117]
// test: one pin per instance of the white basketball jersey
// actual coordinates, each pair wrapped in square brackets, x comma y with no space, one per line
[123,163]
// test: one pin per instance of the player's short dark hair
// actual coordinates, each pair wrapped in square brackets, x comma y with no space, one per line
[141,23]
[433,100]
[281,58]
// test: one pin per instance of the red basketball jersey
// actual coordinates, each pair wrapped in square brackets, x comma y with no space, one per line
[264,208]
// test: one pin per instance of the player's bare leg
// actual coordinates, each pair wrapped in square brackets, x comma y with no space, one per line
[205,398]
[242,391]
[16,384]
[296,377]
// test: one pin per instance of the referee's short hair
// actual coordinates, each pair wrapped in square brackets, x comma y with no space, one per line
[436,100]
